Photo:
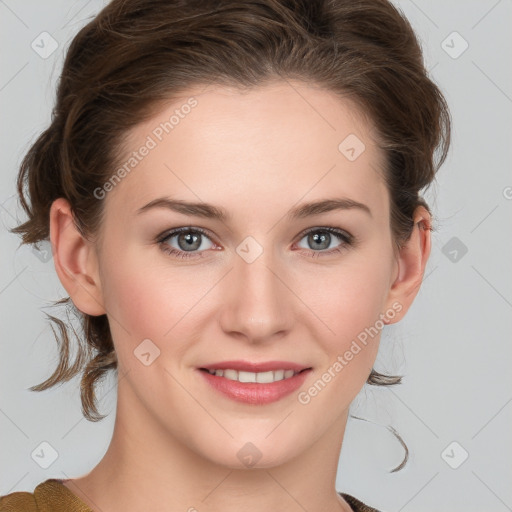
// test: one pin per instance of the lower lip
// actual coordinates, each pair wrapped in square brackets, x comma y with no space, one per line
[253,392]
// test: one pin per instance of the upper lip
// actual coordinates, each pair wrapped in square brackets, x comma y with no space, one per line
[247,366]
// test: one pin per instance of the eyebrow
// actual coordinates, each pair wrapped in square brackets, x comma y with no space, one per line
[215,212]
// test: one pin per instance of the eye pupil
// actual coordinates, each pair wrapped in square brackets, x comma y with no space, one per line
[191,241]
[320,237]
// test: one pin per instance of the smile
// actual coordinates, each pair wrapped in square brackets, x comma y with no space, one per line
[255,383]
[259,377]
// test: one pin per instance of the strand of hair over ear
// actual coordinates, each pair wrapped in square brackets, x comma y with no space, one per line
[397,435]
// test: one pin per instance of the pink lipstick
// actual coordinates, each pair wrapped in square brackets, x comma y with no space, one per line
[255,383]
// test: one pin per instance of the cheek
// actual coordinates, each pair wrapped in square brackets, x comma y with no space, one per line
[145,300]
[352,309]
[353,295]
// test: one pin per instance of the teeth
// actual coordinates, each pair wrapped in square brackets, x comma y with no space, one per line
[246,377]
[279,374]
[260,377]
[230,374]
[266,377]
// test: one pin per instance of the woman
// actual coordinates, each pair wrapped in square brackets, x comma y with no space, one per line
[232,194]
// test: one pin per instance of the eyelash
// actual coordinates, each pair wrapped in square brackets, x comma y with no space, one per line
[347,239]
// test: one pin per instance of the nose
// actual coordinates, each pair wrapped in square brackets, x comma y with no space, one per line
[258,306]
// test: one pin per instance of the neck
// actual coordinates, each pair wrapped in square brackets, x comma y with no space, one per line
[147,468]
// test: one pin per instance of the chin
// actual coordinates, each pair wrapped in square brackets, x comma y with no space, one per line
[253,454]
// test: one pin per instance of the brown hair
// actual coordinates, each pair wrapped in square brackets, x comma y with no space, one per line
[137,53]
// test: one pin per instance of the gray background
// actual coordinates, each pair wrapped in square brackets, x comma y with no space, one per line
[453,347]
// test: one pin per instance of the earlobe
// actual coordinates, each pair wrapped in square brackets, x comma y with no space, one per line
[75,260]
[411,261]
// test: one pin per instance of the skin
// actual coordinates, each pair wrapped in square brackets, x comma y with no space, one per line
[256,153]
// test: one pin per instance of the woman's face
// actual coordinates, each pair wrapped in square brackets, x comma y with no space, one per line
[254,286]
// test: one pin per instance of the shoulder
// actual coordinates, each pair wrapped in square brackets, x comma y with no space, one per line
[49,496]
[357,505]
[18,501]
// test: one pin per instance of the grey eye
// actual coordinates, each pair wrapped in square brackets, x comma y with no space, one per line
[321,240]
[188,241]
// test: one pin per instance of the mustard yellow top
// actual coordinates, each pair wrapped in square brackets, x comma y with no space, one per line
[52,496]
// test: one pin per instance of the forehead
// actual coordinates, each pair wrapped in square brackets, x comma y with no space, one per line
[266,145]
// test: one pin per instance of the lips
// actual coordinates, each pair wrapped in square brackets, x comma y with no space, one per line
[255,383]
[247,366]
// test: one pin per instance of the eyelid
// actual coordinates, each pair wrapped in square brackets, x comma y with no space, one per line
[176,231]
[330,229]
[342,233]
[347,241]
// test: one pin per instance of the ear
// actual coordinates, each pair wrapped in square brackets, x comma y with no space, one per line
[411,261]
[75,260]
